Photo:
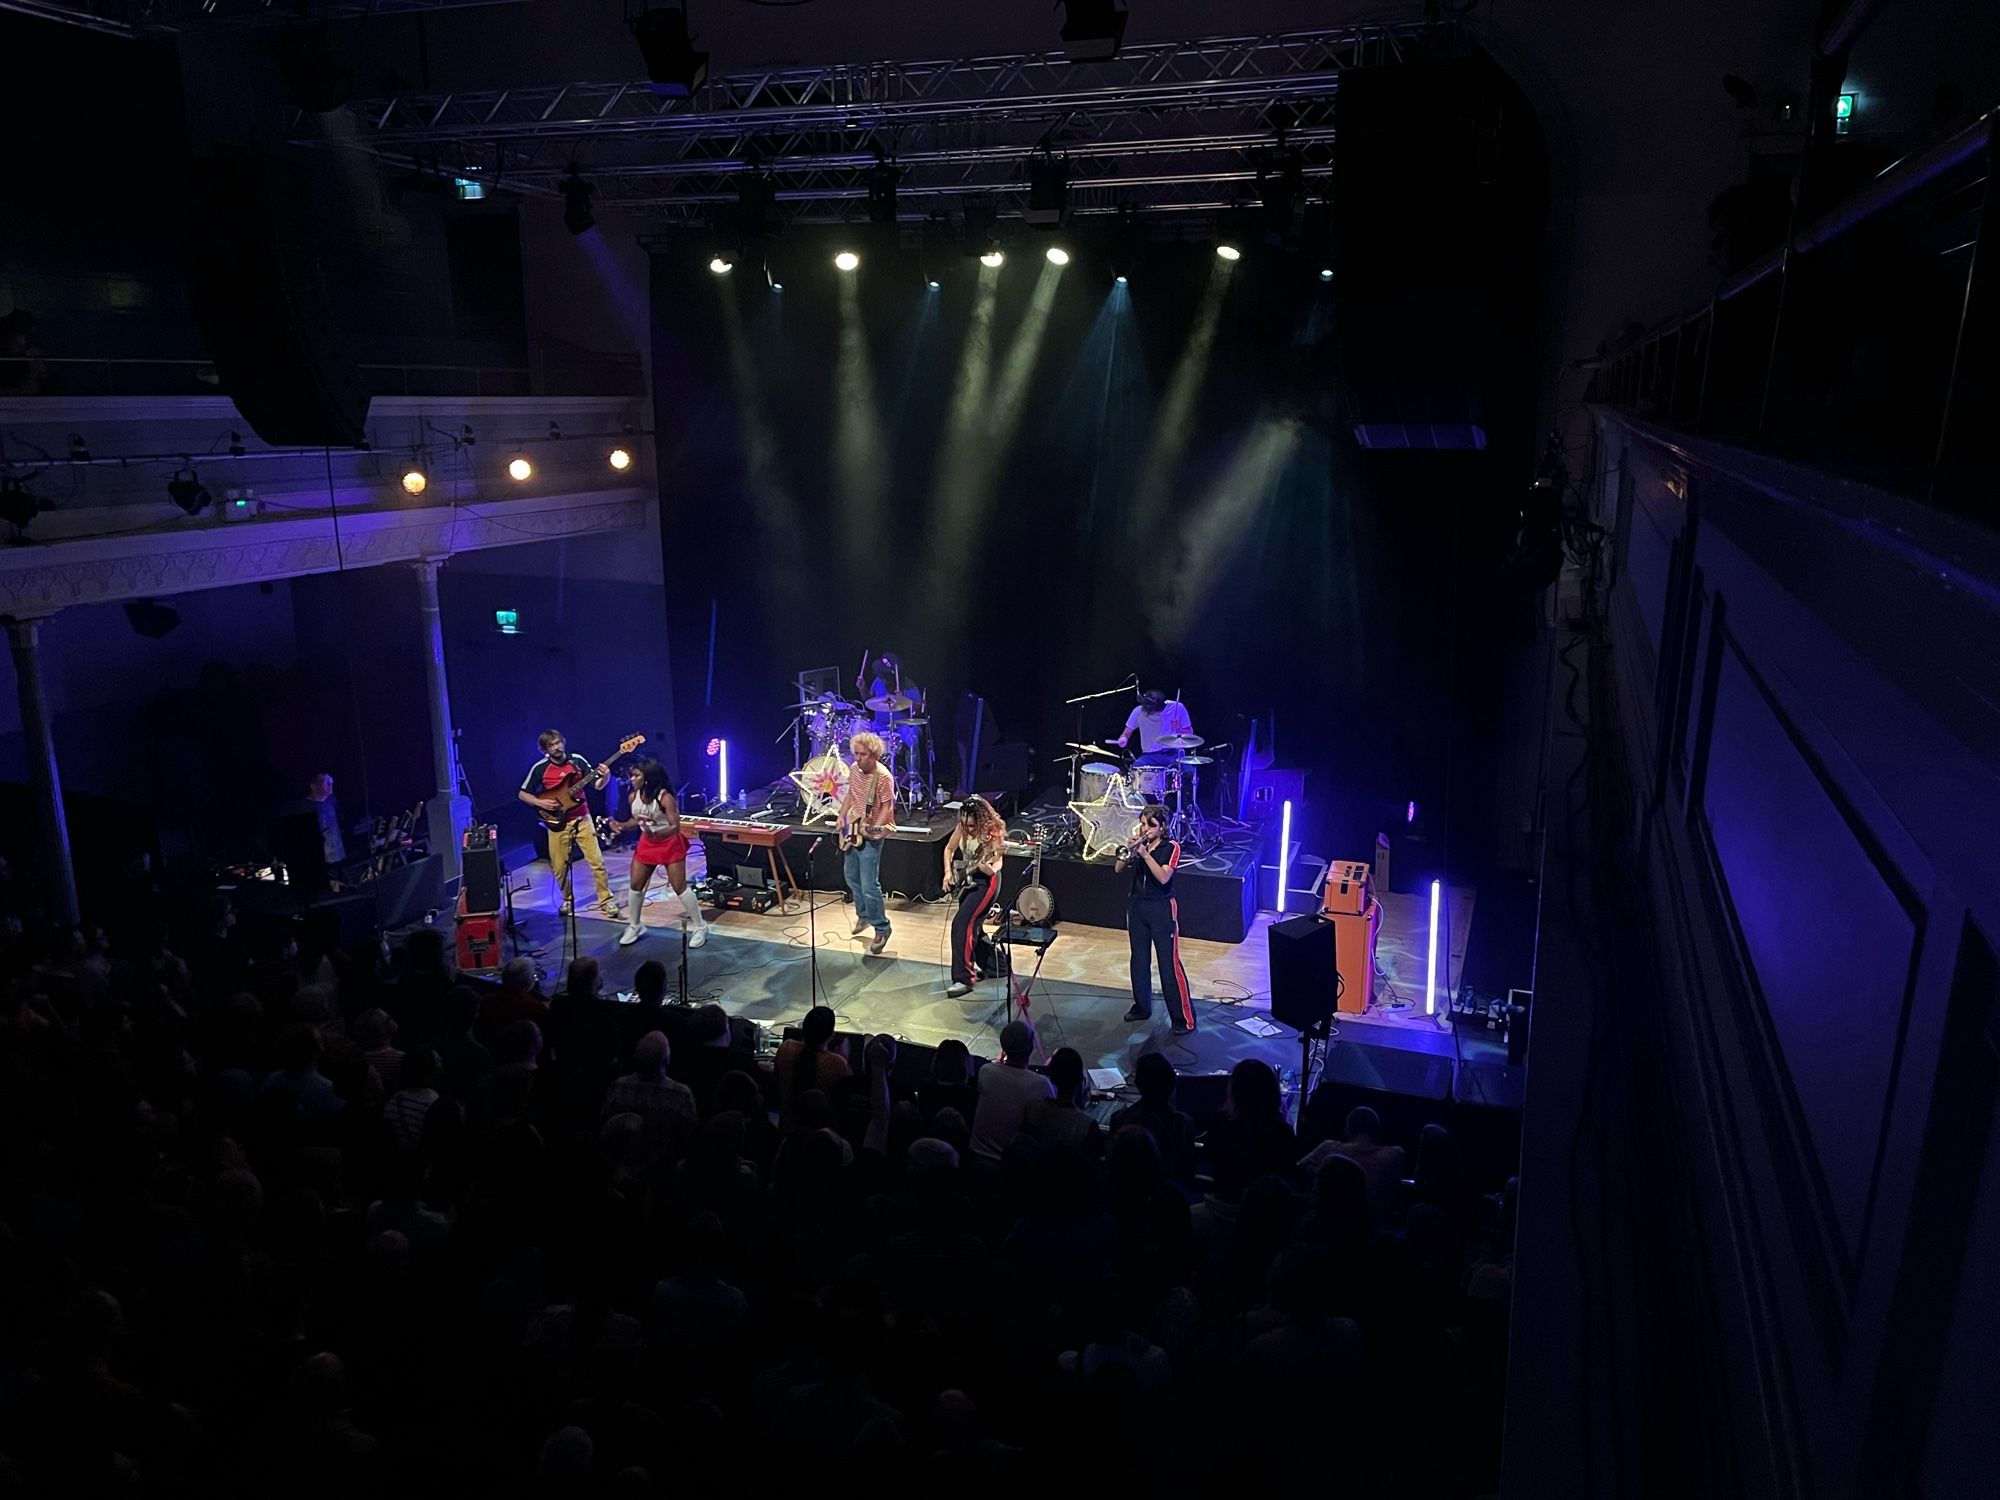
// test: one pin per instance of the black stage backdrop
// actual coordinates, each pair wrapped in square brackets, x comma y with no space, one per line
[1032,482]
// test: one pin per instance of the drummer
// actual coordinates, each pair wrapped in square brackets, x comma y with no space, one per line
[893,696]
[1155,719]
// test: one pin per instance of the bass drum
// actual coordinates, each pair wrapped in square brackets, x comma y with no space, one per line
[1096,780]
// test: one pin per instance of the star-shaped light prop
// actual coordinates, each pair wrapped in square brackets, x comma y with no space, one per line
[822,781]
[1107,826]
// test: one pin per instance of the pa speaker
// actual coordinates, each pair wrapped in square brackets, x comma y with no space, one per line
[261,302]
[1305,972]
[479,861]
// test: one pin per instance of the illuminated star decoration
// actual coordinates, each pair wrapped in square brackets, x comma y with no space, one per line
[822,781]
[1107,826]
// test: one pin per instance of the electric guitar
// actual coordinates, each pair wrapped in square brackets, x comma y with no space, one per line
[851,836]
[568,792]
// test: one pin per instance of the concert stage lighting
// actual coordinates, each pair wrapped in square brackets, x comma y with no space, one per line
[519,469]
[577,216]
[674,66]
[1119,278]
[188,492]
[994,257]
[1228,251]
[1327,274]
[1058,256]
[847,260]
[1093,30]
[932,285]
[414,481]
[620,459]
[721,265]
[1048,190]
[882,180]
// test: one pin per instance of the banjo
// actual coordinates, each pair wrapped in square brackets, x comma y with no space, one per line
[1033,901]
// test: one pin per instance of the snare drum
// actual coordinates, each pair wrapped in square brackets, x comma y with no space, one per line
[1153,782]
[1095,780]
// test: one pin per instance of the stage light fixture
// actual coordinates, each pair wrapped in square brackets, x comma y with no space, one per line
[1326,274]
[932,285]
[1048,190]
[721,265]
[847,260]
[1058,256]
[620,459]
[1119,278]
[1284,854]
[415,481]
[519,469]
[1228,251]
[1431,956]
[673,64]
[576,194]
[1093,30]
[994,257]
[17,506]
[187,491]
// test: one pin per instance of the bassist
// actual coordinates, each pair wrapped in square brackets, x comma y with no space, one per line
[867,814]
[570,826]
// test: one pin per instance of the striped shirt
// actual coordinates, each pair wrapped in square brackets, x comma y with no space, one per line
[404,1114]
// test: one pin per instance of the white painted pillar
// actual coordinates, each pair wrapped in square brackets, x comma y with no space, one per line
[54,875]
[447,813]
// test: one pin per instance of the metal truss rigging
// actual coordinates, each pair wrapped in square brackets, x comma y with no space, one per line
[1165,126]
[137,17]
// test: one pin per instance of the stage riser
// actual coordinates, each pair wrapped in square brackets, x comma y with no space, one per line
[1218,908]
[910,866]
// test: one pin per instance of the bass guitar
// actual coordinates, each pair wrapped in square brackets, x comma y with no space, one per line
[568,792]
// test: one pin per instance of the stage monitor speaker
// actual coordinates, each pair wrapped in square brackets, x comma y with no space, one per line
[1305,972]
[409,893]
[1267,790]
[480,861]
[260,300]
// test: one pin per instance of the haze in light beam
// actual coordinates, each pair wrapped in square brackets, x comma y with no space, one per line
[1220,525]
[1173,421]
[860,458]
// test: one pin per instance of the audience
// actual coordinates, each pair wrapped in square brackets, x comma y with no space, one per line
[326,1226]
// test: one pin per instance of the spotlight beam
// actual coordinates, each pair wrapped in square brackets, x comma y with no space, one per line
[1221,526]
[1174,421]
[860,457]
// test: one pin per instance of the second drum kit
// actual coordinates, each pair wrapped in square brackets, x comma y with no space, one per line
[1109,793]
[826,723]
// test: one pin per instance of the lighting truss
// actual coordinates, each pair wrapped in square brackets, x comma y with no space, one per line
[1168,126]
[138,17]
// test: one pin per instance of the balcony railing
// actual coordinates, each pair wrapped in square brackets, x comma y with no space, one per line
[564,373]
[1869,344]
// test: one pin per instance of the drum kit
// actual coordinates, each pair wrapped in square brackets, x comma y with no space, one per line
[825,723]
[1108,793]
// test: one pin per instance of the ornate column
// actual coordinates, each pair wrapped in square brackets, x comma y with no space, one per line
[56,875]
[448,814]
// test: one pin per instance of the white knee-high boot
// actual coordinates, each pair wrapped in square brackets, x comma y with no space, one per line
[635,927]
[697,927]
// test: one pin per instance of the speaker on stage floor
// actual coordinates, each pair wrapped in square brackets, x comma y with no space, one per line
[480,862]
[1305,972]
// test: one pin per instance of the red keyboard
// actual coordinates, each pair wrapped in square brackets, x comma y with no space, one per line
[741,831]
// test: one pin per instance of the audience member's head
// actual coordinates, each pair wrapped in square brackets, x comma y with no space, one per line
[1017,1043]
[710,1027]
[297,1048]
[520,1044]
[423,951]
[1156,1078]
[649,982]
[1066,1073]
[1253,1092]
[517,976]
[1363,1124]
[373,1030]
[649,1056]
[420,1068]
[951,1063]
[584,979]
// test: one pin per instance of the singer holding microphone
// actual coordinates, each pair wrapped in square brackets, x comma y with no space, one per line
[662,845]
[1152,918]
[972,858]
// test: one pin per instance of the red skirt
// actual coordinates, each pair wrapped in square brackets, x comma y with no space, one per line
[669,849]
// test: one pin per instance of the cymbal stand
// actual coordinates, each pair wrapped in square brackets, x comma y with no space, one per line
[1076,766]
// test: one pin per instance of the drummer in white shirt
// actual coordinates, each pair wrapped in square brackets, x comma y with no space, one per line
[1156,717]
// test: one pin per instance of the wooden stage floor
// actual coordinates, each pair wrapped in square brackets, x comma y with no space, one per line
[758,966]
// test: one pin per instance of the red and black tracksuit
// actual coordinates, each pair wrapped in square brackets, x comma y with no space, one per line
[1152,917]
[970,949]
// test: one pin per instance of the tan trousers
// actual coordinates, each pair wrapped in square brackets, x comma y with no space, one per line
[564,842]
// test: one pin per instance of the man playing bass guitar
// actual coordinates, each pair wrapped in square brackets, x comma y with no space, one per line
[867,814]
[555,787]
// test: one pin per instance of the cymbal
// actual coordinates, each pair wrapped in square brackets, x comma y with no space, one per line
[1179,742]
[909,722]
[1093,749]
[824,700]
[891,703]
[1196,760]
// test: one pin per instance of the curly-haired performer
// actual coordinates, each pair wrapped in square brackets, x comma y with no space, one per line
[867,814]
[972,857]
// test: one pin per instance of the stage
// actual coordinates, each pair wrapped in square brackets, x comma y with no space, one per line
[759,966]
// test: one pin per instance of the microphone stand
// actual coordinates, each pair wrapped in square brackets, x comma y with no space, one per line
[812,924]
[1076,768]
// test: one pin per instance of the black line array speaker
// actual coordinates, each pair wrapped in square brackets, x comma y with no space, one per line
[1305,972]
[260,299]
[479,864]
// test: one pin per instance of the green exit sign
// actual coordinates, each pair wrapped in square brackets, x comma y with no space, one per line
[507,621]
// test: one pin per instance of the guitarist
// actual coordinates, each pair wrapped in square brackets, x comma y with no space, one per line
[972,858]
[558,767]
[867,813]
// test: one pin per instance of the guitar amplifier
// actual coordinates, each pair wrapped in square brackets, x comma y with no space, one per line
[479,863]
[1349,888]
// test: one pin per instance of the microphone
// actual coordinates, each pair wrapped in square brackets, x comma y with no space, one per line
[818,839]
